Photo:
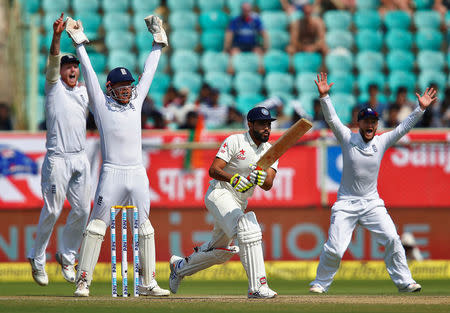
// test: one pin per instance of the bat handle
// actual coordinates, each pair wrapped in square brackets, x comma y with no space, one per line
[257,169]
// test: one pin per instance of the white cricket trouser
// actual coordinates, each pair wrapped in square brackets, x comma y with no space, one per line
[372,215]
[62,176]
[121,185]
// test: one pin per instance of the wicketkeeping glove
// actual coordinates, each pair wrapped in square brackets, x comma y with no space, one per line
[75,31]
[154,25]
[240,183]
[257,176]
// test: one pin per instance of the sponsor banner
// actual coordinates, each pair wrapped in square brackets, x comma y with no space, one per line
[233,270]
[288,234]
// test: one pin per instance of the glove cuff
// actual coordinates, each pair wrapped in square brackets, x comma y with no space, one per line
[234,180]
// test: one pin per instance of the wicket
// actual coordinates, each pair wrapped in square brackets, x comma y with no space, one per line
[124,250]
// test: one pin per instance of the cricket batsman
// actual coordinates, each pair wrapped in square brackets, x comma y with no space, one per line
[226,200]
[123,178]
[358,201]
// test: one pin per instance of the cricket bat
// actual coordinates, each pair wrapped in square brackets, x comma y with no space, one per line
[287,140]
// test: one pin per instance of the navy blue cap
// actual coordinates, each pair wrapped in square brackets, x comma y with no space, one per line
[69,58]
[366,113]
[259,113]
[118,75]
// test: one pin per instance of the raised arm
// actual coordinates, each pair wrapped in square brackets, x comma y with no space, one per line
[339,130]
[54,58]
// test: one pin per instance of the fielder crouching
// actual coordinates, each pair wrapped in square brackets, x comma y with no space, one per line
[123,178]
[226,200]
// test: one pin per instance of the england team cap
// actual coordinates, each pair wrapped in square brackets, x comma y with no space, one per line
[366,113]
[119,74]
[259,113]
[69,58]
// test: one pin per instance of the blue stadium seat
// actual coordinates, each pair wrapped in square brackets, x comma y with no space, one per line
[397,20]
[160,83]
[343,82]
[219,80]
[337,19]
[212,40]
[48,20]
[447,19]
[91,23]
[98,61]
[368,78]
[276,61]
[339,61]
[245,62]
[184,40]
[138,21]
[423,4]
[101,77]
[119,40]
[226,99]
[183,20]
[304,82]
[117,58]
[30,6]
[184,61]
[42,61]
[429,39]
[307,102]
[399,40]
[278,82]
[339,38]
[343,104]
[210,5]
[268,5]
[274,20]
[145,6]
[246,102]
[180,5]
[430,60]
[428,77]
[144,41]
[307,61]
[427,19]
[279,39]
[246,82]
[214,61]
[189,80]
[367,4]
[116,21]
[41,84]
[399,60]
[402,79]
[66,44]
[369,19]
[369,61]
[55,6]
[84,6]
[213,20]
[162,64]
[369,40]
[115,6]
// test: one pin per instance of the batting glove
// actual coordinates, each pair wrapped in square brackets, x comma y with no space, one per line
[154,25]
[257,176]
[75,31]
[240,183]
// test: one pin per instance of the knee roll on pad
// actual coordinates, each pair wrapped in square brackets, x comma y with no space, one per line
[96,227]
[146,229]
[248,229]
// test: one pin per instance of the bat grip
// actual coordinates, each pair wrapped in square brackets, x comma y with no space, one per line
[257,169]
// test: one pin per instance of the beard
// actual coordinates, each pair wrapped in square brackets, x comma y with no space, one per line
[261,136]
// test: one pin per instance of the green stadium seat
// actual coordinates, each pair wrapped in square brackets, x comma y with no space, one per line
[138,21]
[337,19]
[429,39]
[157,98]
[274,20]
[397,39]
[219,80]
[246,82]
[30,6]
[184,61]
[369,61]
[430,60]
[101,77]
[116,21]
[268,5]
[246,102]
[278,82]
[426,78]
[423,4]
[427,19]
[98,61]
[162,64]
[118,58]
[343,104]
[343,82]
[226,99]
[397,20]
[41,84]
[42,61]
[66,44]
[447,19]
[214,61]
[245,62]
[119,40]
[183,20]
[115,6]
[189,80]
[160,84]
[276,61]
[83,6]
[402,79]
[307,102]
[144,41]
[339,39]
[55,6]
[339,61]
[369,19]
[210,5]
[145,6]
[212,40]
[213,20]
[235,6]
[304,82]
[369,40]
[279,39]
[286,97]
[367,4]
[307,61]
[184,40]
[180,5]
[399,60]
[48,20]
[91,23]
[369,78]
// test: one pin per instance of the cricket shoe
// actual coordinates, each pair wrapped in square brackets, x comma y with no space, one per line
[153,290]
[82,289]
[67,270]
[316,289]
[174,279]
[264,292]
[39,275]
[413,287]
[154,25]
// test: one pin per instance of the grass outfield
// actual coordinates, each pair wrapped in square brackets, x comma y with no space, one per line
[229,296]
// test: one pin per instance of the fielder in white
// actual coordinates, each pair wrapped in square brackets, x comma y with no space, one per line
[66,169]
[358,201]
[226,200]
[123,178]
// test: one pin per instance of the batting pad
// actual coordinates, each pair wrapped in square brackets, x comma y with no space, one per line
[201,259]
[147,255]
[249,237]
[90,249]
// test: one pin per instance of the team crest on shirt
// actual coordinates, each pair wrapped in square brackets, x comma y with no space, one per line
[374,148]
[241,155]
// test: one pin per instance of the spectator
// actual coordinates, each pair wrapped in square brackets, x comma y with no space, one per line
[354,121]
[214,113]
[308,33]
[5,117]
[392,116]
[276,106]
[432,116]
[395,5]
[242,33]
[204,96]
[374,102]
[175,111]
[158,120]
[406,106]
[445,109]
[235,120]
[169,96]
[329,5]
[412,251]
[90,122]
[191,121]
